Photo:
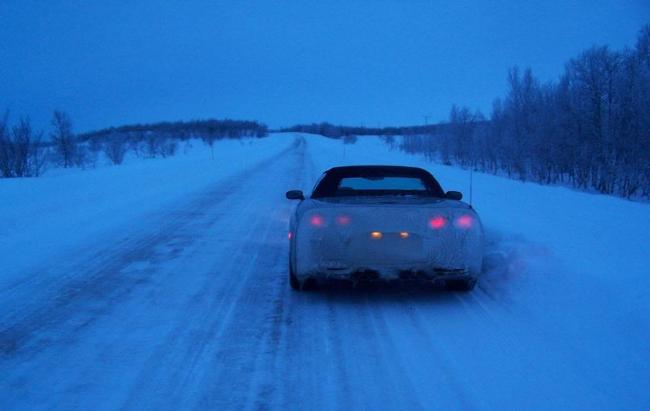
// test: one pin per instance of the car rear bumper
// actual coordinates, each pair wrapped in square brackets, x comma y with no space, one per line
[388,273]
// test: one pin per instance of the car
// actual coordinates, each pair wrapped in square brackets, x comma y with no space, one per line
[367,223]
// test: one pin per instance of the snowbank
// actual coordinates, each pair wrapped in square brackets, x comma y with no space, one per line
[44,217]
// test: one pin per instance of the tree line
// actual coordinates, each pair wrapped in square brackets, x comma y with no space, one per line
[338,131]
[183,130]
[590,129]
[26,153]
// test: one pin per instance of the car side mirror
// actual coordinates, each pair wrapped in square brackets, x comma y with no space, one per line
[295,195]
[454,195]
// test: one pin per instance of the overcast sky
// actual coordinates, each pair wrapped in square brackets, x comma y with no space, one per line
[286,62]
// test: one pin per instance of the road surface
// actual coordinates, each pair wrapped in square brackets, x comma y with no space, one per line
[190,308]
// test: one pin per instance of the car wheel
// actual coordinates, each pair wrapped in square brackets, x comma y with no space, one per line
[307,285]
[293,280]
[462,285]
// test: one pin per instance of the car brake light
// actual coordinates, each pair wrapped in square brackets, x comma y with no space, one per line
[437,222]
[343,220]
[464,221]
[317,220]
[404,234]
[376,235]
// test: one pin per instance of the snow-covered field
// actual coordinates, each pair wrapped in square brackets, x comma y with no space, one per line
[163,284]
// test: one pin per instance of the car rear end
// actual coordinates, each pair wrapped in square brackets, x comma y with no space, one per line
[430,239]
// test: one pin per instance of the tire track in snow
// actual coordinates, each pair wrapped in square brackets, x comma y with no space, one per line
[171,367]
[443,363]
[262,387]
[400,380]
[266,387]
[223,300]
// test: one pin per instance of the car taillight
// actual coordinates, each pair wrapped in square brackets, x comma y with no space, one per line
[437,222]
[465,221]
[289,235]
[317,220]
[343,219]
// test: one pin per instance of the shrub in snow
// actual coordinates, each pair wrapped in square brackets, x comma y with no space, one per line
[21,151]
[115,150]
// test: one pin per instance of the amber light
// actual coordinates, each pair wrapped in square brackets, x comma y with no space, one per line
[437,222]
[464,221]
[375,235]
[404,234]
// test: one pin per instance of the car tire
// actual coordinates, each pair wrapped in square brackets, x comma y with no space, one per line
[293,281]
[307,285]
[462,285]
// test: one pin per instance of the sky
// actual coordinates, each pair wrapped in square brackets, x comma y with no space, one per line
[372,63]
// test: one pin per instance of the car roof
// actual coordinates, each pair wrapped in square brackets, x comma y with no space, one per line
[376,169]
[327,185]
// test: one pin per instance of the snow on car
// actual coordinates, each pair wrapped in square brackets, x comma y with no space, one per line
[383,223]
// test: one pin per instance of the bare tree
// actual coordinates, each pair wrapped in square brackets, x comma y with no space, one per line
[349,139]
[153,145]
[209,139]
[6,148]
[168,148]
[462,132]
[115,149]
[24,155]
[64,140]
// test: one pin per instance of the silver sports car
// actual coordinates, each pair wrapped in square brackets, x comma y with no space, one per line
[383,223]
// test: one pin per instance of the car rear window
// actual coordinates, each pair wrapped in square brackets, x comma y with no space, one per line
[381,183]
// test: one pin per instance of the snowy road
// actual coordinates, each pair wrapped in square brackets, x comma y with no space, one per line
[191,309]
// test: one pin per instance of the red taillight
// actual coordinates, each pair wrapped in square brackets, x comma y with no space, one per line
[343,220]
[437,222]
[317,220]
[465,221]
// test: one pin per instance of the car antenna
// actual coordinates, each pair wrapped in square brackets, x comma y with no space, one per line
[471,180]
